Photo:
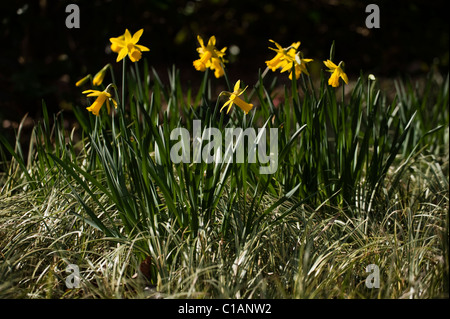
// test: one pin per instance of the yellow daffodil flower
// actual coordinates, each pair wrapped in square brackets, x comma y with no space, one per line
[127,44]
[234,98]
[98,78]
[210,57]
[102,96]
[286,58]
[299,66]
[282,58]
[337,72]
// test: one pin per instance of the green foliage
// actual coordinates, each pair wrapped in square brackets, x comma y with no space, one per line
[360,180]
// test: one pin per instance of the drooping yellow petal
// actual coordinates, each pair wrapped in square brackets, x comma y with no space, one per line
[329,64]
[344,77]
[226,103]
[216,65]
[218,71]
[123,53]
[142,48]
[92,92]
[276,62]
[287,66]
[114,102]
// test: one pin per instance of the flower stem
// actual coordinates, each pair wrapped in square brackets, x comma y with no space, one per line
[226,76]
[138,78]
[123,85]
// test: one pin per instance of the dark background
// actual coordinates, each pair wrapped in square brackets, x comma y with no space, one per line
[41,59]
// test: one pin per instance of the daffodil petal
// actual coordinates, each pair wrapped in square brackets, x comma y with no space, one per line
[226,103]
[94,94]
[127,36]
[212,41]
[200,41]
[237,86]
[137,36]
[89,91]
[117,41]
[344,77]
[123,53]
[329,64]
[142,48]
[115,103]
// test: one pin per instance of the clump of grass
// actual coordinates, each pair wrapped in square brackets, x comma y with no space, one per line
[361,180]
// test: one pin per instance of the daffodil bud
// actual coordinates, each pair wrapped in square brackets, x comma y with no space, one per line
[98,78]
[83,80]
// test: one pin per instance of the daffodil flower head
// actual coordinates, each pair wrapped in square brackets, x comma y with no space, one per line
[127,45]
[102,97]
[283,55]
[210,57]
[288,58]
[234,98]
[337,72]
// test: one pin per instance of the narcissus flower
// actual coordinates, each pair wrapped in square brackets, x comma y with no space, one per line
[127,44]
[102,96]
[282,57]
[337,72]
[210,57]
[234,98]
[287,58]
